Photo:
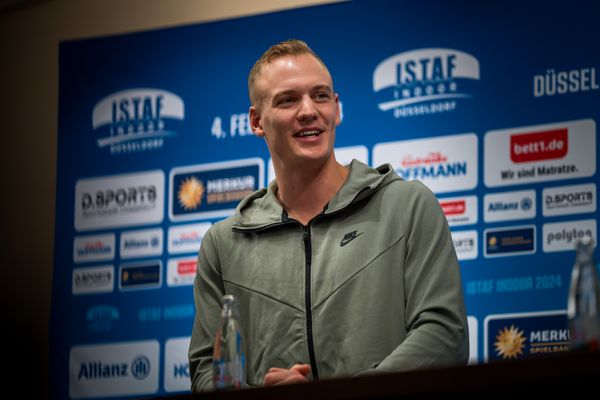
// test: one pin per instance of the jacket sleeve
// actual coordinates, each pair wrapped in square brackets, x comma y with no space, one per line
[435,317]
[208,292]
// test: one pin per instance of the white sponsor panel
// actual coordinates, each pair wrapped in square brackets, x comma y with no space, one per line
[187,238]
[343,155]
[459,210]
[181,271]
[509,206]
[90,280]
[567,200]
[540,153]
[465,244]
[473,339]
[444,164]
[119,200]
[94,248]
[177,368]
[561,236]
[116,369]
[141,243]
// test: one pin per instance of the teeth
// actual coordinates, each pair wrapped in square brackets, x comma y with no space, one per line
[308,133]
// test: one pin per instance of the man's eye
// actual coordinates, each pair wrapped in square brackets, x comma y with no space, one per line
[323,96]
[286,100]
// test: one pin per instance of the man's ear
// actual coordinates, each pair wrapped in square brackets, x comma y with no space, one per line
[256,122]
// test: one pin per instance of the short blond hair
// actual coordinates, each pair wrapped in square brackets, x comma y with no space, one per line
[291,47]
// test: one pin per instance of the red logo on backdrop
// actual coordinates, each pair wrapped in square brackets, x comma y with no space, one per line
[453,207]
[433,157]
[186,267]
[536,146]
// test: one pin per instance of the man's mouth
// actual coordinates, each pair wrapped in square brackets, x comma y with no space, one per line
[307,133]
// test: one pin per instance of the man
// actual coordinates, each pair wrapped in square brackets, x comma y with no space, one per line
[339,270]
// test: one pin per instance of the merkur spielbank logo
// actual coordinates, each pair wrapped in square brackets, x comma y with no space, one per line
[136,120]
[424,81]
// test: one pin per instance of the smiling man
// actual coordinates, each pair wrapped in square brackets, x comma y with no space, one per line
[339,270]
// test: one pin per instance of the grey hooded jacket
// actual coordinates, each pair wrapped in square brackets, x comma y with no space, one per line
[371,284]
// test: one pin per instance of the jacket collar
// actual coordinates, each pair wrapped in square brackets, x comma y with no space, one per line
[262,209]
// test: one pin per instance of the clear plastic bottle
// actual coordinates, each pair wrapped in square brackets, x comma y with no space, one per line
[229,363]
[583,308]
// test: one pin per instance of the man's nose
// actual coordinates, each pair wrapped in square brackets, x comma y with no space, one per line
[307,109]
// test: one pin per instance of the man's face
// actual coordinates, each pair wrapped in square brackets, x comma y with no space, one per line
[297,111]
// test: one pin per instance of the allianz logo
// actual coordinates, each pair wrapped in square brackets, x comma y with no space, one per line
[136,114]
[141,243]
[524,204]
[139,368]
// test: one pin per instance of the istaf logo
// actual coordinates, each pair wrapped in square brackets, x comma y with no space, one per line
[136,120]
[424,81]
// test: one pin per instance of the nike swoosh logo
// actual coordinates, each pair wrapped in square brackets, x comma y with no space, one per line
[350,236]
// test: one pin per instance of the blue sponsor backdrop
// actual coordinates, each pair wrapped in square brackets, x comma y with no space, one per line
[175,98]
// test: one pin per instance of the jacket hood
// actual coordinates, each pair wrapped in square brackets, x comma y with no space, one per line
[262,209]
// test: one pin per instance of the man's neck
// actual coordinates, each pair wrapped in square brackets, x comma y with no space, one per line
[304,192]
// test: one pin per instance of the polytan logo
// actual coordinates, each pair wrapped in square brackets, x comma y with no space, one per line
[444,164]
[425,81]
[141,243]
[525,335]
[212,190]
[181,271]
[465,244]
[136,120]
[119,200]
[460,210]
[91,280]
[561,236]
[509,206]
[567,200]
[116,369]
[187,238]
[177,368]
[94,248]
[540,153]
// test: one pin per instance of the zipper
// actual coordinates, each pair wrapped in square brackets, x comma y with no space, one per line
[307,299]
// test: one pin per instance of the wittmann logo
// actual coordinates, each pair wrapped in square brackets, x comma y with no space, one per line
[119,200]
[94,248]
[187,238]
[444,164]
[460,210]
[117,369]
[136,120]
[425,81]
[540,153]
